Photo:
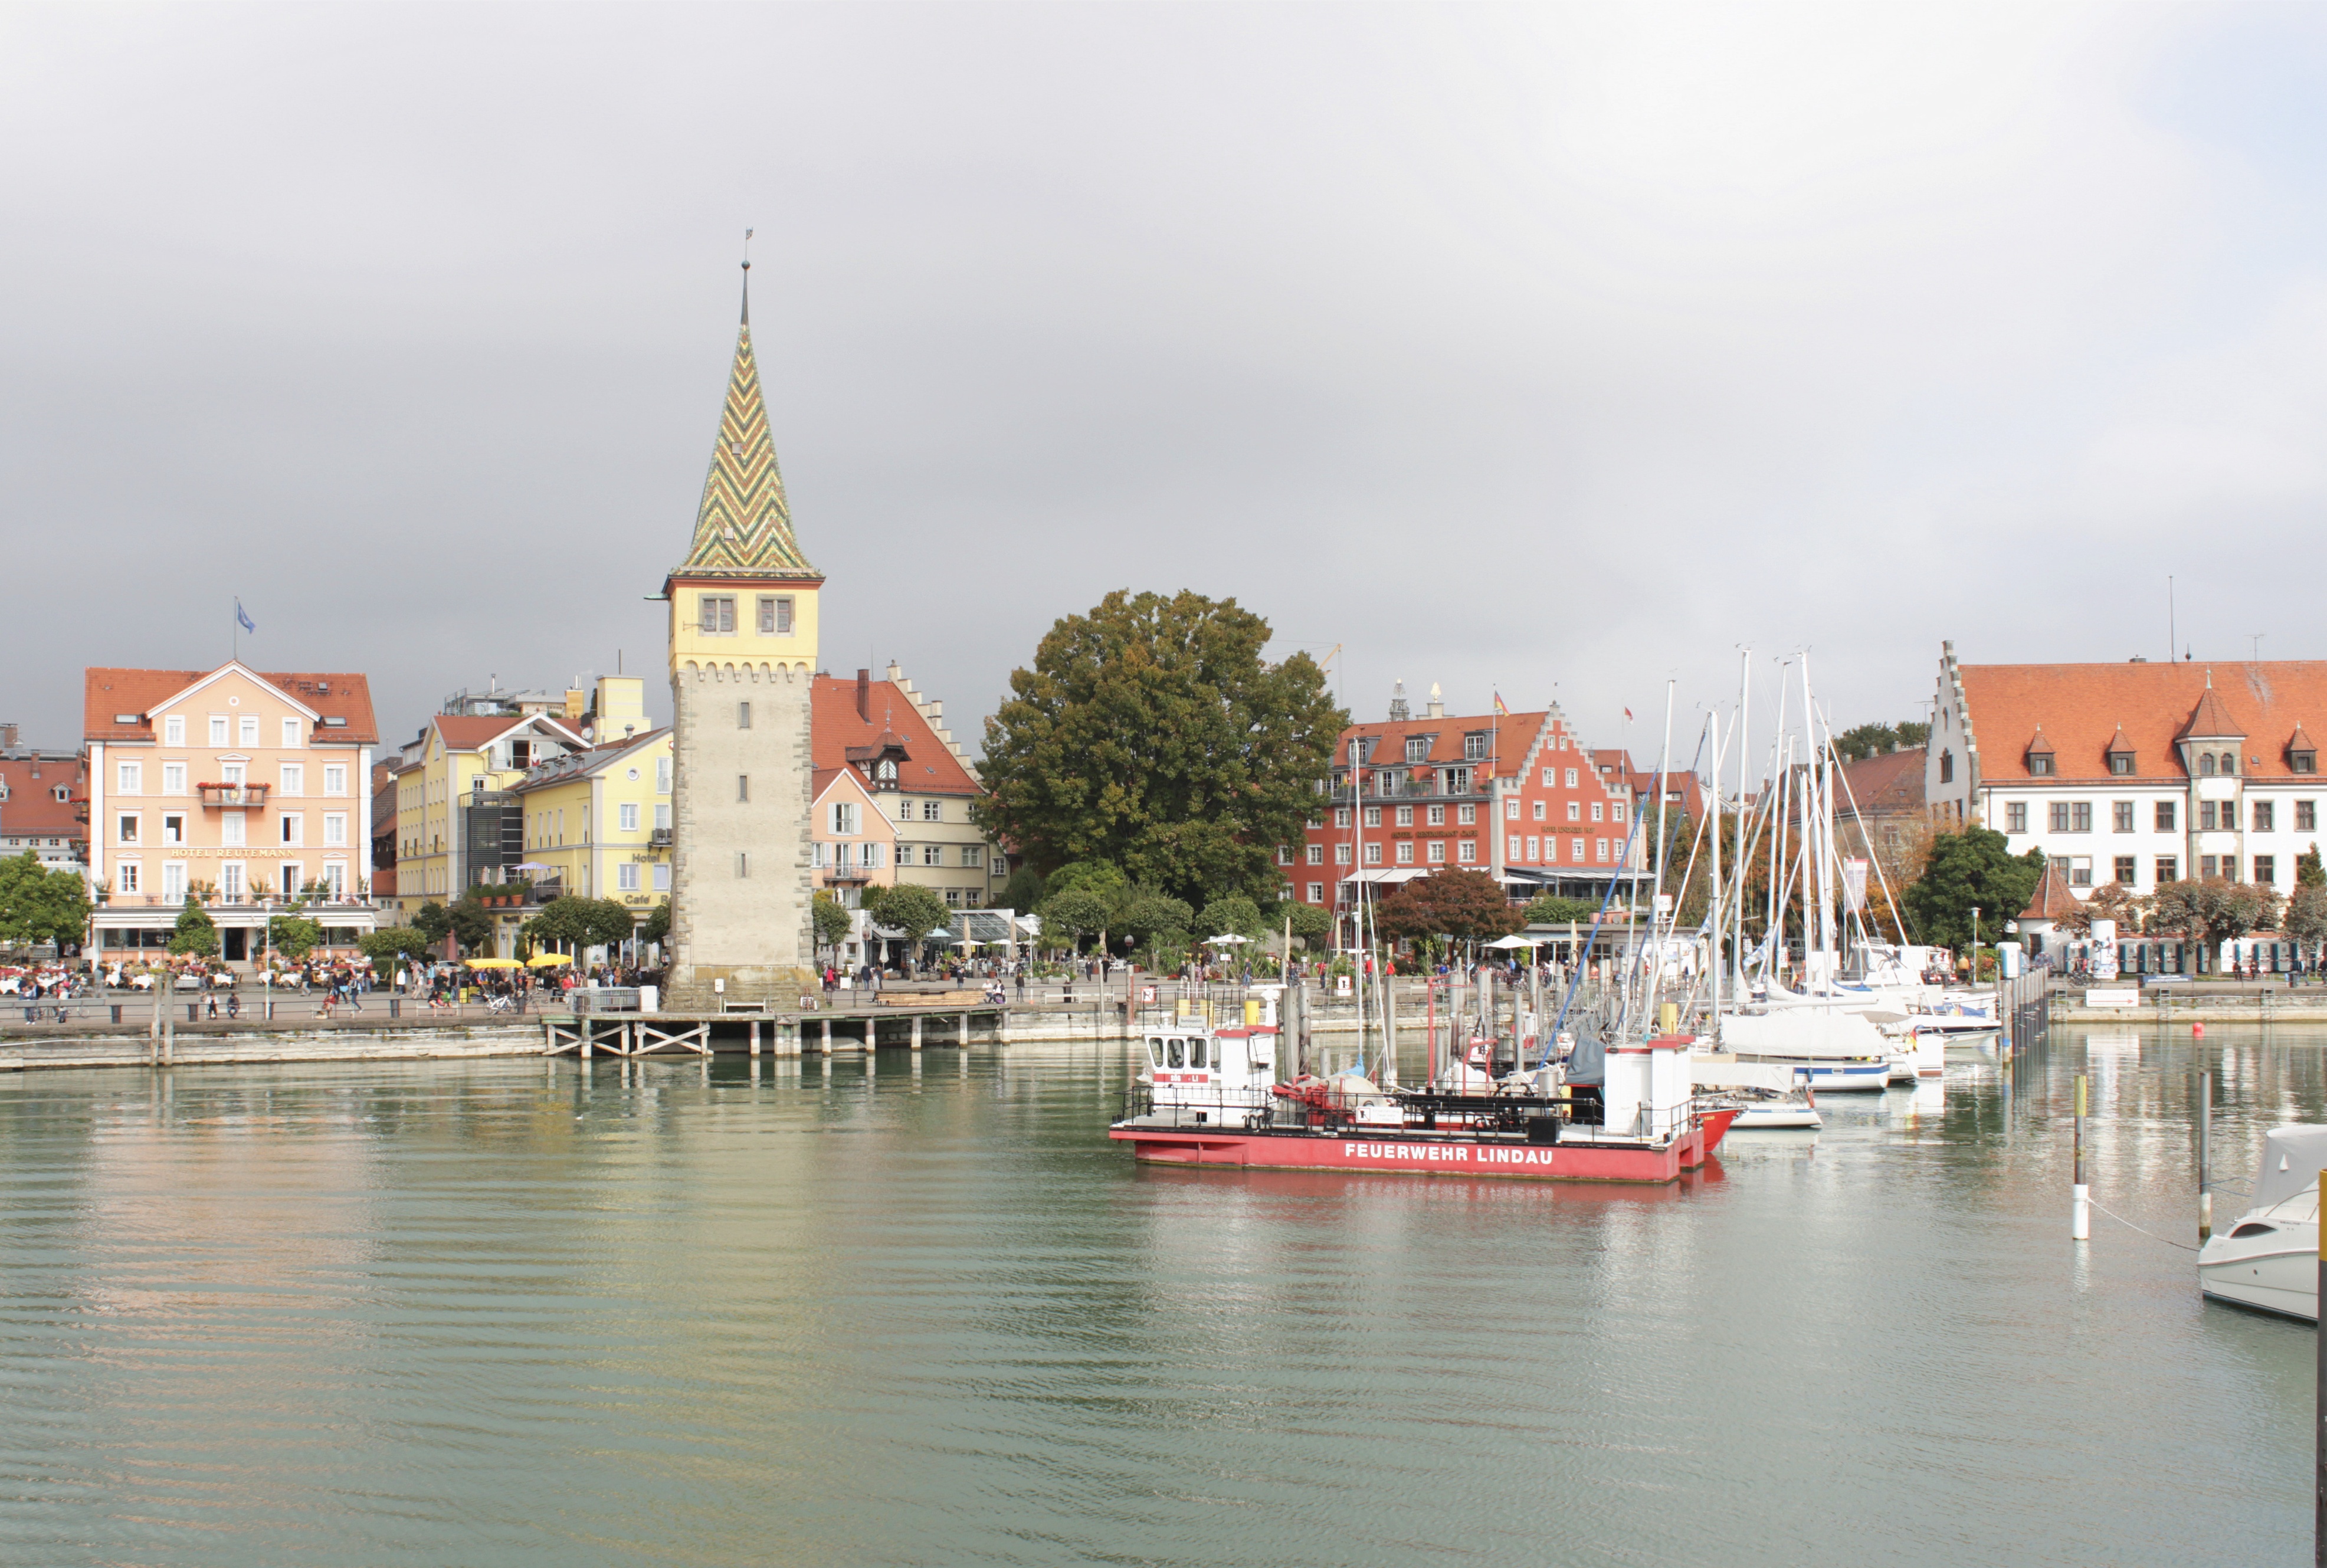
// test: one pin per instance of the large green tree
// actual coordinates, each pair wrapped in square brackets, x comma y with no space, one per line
[914,911]
[1232,915]
[391,942]
[1311,925]
[1551,910]
[41,905]
[832,920]
[1465,905]
[295,936]
[1972,869]
[1071,916]
[432,920]
[1151,733]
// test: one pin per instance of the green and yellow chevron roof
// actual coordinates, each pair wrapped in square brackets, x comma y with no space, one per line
[744,527]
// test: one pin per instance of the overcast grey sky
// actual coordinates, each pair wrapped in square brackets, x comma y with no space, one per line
[1562,350]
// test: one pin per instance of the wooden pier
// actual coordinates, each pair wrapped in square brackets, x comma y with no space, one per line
[823,1032]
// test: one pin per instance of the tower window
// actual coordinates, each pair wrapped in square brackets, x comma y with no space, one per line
[742,863]
[775,615]
[743,786]
[743,716]
[718,613]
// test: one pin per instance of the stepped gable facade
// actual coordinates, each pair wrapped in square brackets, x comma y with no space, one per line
[2134,773]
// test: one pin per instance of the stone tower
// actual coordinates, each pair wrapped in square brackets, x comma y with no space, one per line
[742,653]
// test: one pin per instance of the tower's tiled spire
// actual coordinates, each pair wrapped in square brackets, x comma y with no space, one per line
[745,526]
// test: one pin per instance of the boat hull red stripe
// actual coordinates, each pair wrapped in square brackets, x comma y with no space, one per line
[1373,1153]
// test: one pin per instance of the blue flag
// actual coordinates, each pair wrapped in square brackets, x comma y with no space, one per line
[242,617]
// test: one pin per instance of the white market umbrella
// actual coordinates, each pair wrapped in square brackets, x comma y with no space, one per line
[1227,941]
[1508,942]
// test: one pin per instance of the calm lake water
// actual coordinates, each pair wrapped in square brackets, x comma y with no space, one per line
[522,1313]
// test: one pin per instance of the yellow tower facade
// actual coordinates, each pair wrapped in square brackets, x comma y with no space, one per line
[742,657]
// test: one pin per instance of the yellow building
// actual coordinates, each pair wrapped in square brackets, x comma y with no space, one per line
[598,822]
[451,799]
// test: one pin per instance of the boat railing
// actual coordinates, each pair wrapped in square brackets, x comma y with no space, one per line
[1200,1107]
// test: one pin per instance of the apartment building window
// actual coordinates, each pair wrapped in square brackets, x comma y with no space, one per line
[124,831]
[743,786]
[2306,816]
[1466,851]
[1576,811]
[626,877]
[218,729]
[933,855]
[173,827]
[1406,817]
[2266,816]
[1466,816]
[1437,855]
[286,874]
[2078,869]
[1599,849]
[2169,868]
[2209,814]
[1316,854]
[2266,869]
[230,824]
[1315,823]
[1406,852]
[1597,807]
[1576,849]
[248,730]
[128,778]
[1542,810]
[627,816]
[1341,855]
[125,875]
[294,828]
[662,816]
[1511,809]
[662,774]
[932,811]
[1436,815]
[335,828]
[1571,777]
[975,853]
[1947,766]
[1534,849]
[174,778]
[2057,816]
[2121,817]
[844,817]
[1373,854]
[1373,816]
[1317,892]
[1511,847]
[2081,817]
[2015,816]
[231,882]
[1458,781]
[2164,818]
[662,876]
[291,734]
[2125,870]
[336,780]
[1283,854]
[716,617]
[743,716]
[1341,816]
[775,615]
[1616,811]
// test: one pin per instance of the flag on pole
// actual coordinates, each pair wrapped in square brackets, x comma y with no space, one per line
[1628,716]
[1500,708]
[242,616]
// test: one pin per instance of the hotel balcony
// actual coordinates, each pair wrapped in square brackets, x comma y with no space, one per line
[659,837]
[233,794]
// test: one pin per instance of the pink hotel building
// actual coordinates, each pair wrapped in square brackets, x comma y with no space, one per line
[246,787]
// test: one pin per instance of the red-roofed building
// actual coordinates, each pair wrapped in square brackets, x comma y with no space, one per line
[43,804]
[243,787]
[893,741]
[1515,795]
[2135,773]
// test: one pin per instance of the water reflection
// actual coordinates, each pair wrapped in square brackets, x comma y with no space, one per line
[914,1308]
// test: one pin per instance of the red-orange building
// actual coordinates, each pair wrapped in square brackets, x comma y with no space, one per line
[1515,795]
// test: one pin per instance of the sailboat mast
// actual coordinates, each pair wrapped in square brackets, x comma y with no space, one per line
[1744,746]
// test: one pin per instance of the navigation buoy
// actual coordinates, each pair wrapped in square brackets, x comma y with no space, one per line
[2198,1031]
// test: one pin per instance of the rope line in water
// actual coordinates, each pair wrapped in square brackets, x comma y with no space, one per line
[2153,1236]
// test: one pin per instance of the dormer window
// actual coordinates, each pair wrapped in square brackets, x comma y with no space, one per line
[1417,749]
[2302,761]
[2206,764]
[2039,756]
[2121,763]
[1474,748]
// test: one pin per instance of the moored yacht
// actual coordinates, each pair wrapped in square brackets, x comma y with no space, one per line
[2269,1259]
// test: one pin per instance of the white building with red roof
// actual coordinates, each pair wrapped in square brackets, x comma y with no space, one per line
[2135,773]
[906,769]
[43,804]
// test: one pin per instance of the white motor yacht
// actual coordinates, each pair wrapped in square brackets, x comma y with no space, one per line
[2269,1259]
[1768,1096]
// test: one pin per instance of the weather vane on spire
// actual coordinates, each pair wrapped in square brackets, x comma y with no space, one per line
[747,277]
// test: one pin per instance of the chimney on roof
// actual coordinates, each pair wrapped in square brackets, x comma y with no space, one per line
[7,737]
[1397,708]
[865,695]
[1436,709]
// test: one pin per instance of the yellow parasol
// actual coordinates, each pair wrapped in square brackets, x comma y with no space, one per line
[492,963]
[549,960]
